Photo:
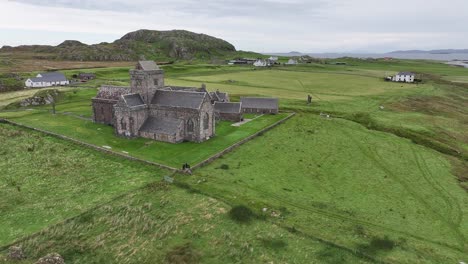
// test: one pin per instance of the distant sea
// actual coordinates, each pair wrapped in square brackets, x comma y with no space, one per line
[403,55]
[397,55]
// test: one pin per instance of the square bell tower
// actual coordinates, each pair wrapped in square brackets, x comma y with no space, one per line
[146,78]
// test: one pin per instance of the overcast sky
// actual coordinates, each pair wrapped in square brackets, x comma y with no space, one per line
[255,25]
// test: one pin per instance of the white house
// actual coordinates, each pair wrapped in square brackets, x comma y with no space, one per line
[291,62]
[47,79]
[404,77]
[261,63]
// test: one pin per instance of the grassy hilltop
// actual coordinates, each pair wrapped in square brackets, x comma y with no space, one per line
[164,46]
[383,180]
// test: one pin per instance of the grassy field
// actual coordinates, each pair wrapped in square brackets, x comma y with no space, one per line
[45,181]
[382,180]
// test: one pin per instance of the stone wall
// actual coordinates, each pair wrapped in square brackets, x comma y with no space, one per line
[82,143]
[259,111]
[233,117]
[103,111]
[238,144]
[128,121]
[178,138]
[207,121]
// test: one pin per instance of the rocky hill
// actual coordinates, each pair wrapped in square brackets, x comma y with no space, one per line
[147,44]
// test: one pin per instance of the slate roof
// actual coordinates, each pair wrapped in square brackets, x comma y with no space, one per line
[222,96]
[192,100]
[228,108]
[406,73]
[259,102]
[147,65]
[133,100]
[86,74]
[50,77]
[168,126]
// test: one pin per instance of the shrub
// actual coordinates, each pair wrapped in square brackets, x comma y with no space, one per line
[183,254]
[241,214]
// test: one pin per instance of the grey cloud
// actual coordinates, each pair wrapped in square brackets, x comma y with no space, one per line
[213,8]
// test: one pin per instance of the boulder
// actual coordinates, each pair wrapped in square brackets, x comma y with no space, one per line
[16,253]
[52,258]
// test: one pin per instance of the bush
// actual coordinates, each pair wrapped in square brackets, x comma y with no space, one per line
[241,214]
[184,254]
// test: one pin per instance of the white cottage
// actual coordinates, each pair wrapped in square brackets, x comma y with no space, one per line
[291,62]
[47,79]
[261,63]
[404,77]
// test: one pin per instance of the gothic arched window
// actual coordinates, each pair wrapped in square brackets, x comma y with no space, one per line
[206,121]
[190,125]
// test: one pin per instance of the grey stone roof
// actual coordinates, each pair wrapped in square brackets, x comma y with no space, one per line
[168,126]
[50,77]
[214,96]
[218,96]
[86,74]
[147,66]
[406,73]
[222,96]
[259,102]
[228,108]
[133,100]
[192,100]
[182,88]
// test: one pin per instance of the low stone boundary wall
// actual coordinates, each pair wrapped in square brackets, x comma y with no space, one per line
[238,144]
[101,149]
[128,157]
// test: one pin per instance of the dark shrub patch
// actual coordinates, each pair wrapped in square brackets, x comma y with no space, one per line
[224,167]
[184,254]
[377,245]
[274,243]
[241,214]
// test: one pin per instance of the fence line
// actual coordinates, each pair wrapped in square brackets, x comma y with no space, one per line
[128,157]
[79,142]
[238,144]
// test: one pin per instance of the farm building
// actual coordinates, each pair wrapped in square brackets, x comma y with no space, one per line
[47,79]
[404,77]
[86,76]
[259,105]
[228,111]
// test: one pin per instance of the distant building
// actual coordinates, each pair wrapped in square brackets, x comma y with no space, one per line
[47,79]
[291,62]
[243,61]
[228,111]
[404,77]
[86,76]
[273,58]
[260,105]
[262,63]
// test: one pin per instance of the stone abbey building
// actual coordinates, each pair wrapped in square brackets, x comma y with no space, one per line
[152,110]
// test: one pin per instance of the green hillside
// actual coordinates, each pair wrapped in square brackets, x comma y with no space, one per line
[149,44]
